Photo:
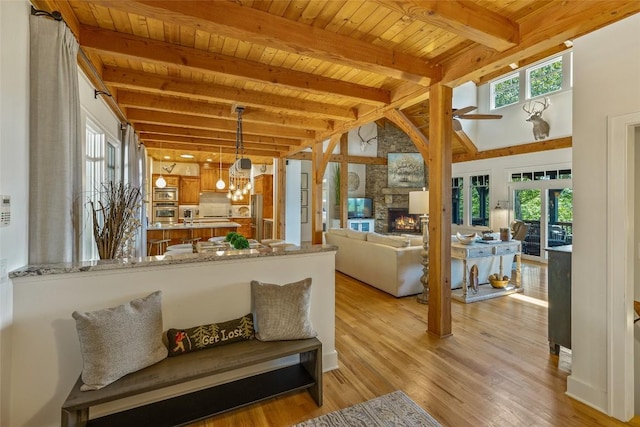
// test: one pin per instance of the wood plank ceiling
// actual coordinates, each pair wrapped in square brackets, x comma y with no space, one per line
[304,69]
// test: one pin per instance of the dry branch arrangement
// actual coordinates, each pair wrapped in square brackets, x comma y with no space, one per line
[116,219]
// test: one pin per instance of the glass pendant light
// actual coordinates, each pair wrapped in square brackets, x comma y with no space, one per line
[220,184]
[161,182]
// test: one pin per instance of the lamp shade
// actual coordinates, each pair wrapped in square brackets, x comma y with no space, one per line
[419,202]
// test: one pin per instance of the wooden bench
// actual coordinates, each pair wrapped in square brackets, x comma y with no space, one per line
[201,404]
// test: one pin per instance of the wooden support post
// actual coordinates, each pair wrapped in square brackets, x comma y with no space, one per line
[344,179]
[280,211]
[440,137]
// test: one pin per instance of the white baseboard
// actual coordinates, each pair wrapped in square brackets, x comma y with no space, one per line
[587,394]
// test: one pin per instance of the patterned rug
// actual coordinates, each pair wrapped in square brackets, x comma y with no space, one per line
[391,410]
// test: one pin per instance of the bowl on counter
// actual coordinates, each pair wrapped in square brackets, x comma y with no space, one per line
[466,239]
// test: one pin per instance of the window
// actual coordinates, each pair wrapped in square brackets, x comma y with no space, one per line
[545,78]
[505,91]
[541,175]
[480,200]
[534,81]
[457,201]
[101,165]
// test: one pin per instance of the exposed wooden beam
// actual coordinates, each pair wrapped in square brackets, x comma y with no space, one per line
[213,143]
[419,140]
[138,80]
[462,137]
[534,147]
[540,30]
[465,19]
[206,148]
[265,29]
[165,129]
[337,158]
[157,102]
[159,118]
[322,166]
[168,54]
[440,135]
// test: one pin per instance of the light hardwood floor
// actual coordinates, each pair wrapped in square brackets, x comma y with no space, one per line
[495,370]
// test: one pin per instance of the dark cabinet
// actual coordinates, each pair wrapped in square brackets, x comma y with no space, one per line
[559,283]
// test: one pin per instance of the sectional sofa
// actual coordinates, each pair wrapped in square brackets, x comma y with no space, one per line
[392,263]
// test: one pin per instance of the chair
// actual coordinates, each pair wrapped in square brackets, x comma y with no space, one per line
[520,230]
[159,244]
[190,240]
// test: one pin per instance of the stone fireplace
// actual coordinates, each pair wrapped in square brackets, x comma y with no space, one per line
[400,221]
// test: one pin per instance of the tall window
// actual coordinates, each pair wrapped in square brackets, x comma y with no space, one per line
[545,78]
[457,200]
[505,91]
[101,165]
[480,200]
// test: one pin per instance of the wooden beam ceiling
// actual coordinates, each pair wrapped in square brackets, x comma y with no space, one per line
[305,71]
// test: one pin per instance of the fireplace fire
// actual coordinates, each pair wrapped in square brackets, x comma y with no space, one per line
[400,221]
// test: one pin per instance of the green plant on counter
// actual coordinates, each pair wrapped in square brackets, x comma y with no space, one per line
[231,236]
[240,242]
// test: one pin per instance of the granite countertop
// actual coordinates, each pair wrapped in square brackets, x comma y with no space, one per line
[213,224]
[160,260]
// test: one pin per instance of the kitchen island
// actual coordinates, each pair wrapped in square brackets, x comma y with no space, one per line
[180,232]
[197,289]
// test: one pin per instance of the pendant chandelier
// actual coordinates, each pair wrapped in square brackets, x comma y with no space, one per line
[239,179]
[220,184]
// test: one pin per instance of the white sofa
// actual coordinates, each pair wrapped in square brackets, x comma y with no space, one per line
[392,263]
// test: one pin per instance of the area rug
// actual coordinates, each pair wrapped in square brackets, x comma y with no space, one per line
[391,410]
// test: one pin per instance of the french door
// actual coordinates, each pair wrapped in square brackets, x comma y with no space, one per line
[547,206]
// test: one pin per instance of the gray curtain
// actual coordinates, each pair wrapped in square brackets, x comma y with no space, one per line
[55,137]
[135,155]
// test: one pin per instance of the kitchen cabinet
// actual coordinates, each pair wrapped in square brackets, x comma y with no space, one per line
[559,298]
[189,192]
[209,176]
[172,180]
[263,184]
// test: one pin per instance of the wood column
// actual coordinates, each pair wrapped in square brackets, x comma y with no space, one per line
[440,137]
[280,211]
[344,179]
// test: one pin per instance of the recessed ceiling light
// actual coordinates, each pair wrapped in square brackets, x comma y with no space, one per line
[209,160]
[167,157]
[568,43]
[186,156]
[513,65]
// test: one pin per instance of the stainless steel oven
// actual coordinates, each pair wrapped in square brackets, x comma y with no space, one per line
[167,194]
[165,212]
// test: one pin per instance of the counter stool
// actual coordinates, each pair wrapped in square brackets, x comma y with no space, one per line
[159,246]
[190,240]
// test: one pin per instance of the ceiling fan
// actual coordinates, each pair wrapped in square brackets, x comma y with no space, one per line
[461,113]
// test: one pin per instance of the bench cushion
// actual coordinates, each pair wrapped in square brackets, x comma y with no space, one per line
[120,340]
[181,341]
[282,311]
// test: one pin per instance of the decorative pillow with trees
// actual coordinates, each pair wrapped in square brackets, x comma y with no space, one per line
[182,341]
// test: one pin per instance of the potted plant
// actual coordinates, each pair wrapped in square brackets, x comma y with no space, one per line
[116,219]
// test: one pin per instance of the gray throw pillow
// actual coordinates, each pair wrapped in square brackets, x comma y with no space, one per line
[117,341]
[281,312]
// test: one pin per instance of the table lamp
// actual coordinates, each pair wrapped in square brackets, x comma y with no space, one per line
[419,204]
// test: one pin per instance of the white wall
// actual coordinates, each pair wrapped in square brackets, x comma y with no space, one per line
[293,227]
[606,84]
[14,172]
[512,128]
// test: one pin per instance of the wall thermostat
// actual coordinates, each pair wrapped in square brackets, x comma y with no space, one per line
[5,211]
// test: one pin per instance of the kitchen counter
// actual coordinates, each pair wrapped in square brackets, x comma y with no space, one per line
[223,223]
[167,259]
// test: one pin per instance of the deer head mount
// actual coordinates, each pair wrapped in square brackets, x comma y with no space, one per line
[540,126]
[365,142]
[168,169]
